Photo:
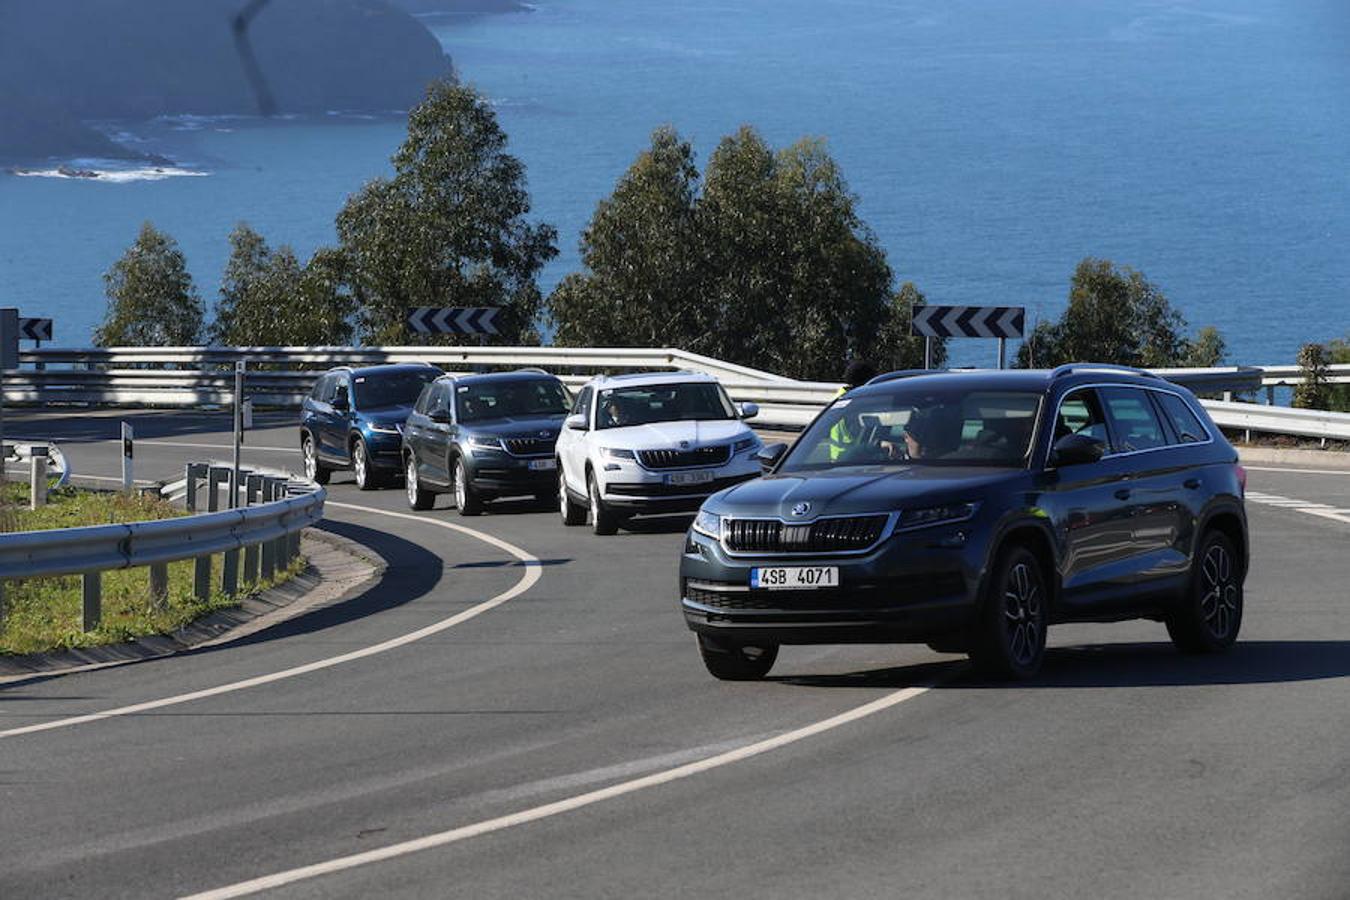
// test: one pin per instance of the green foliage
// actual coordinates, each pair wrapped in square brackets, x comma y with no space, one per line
[1209,349]
[268,299]
[1314,390]
[1338,395]
[450,228]
[1116,316]
[767,265]
[151,299]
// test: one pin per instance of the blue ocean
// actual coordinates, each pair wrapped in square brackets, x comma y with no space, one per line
[992,145]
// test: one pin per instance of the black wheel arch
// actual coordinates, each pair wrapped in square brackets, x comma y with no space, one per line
[1231,520]
[1034,534]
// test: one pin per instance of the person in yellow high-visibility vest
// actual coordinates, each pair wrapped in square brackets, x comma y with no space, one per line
[847,430]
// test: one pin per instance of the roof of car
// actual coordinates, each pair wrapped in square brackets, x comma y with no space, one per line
[490,377]
[638,379]
[384,367]
[1012,379]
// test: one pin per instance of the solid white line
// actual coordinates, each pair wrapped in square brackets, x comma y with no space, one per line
[1297,471]
[527,580]
[247,446]
[440,839]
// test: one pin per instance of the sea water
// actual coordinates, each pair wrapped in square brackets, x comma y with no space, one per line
[992,145]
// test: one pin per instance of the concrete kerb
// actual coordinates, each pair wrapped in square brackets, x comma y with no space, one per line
[338,569]
[1292,456]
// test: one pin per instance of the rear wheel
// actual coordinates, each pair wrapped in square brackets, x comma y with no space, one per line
[603,519]
[572,513]
[418,497]
[736,662]
[1210,614]
[467,500]
[309,454]
[365,475]
[1009,637]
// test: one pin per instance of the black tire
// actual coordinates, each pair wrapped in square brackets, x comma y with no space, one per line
[366,478]
[315,471]
[573,513]
[467,500]
[1209,615]
[603,519]
[419,498]
[1008,641]
[736,662]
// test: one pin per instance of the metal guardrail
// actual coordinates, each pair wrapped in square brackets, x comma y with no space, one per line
[1315,423]
[270,529]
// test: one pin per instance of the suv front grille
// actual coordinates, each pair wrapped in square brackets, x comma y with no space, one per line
[822,536]
[677,459]
[529,446]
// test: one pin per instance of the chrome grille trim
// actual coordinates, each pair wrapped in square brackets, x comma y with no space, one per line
[823,537]
[695,457]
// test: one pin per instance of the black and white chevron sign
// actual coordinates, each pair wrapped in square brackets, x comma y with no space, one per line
[969,321]
[453,319]
[35,329]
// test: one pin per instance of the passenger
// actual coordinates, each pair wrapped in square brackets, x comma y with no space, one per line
[847,430]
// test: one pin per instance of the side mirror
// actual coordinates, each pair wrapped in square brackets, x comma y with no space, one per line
[576,422]
[341,404]
[769,455]
[749,410]
[439,416]
[1076,449]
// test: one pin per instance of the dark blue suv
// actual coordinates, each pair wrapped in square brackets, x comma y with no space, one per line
[971,511]
[480,437]
[353,419]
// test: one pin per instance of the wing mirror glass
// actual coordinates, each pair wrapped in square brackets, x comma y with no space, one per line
[749,410]
[1077,449]
[768,456]
[576,422]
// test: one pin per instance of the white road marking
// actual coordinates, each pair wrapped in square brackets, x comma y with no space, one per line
[1304,506]
[454,835]
[247,446]
[532,574]
[1298,471]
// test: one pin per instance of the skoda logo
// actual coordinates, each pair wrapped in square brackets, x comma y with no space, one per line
[801,509]
[543,434]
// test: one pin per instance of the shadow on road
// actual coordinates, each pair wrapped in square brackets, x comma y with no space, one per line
[672,524]
[1155,664]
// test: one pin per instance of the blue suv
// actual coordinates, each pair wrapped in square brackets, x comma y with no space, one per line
[353,419]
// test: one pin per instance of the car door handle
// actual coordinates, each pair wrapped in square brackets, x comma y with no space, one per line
[1192,483]
[1123,494]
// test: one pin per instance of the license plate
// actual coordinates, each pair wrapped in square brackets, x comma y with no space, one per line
[543,465]
[794,578]
[689,477]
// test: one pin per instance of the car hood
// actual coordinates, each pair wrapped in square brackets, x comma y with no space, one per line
[669,435]
[387,415]
[850,490]
[518,426]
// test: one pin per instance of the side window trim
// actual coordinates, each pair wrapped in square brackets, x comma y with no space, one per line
[1112,452]
[1170,434]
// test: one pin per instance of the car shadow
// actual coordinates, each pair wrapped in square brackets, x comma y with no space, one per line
[671,524]
[1153,664]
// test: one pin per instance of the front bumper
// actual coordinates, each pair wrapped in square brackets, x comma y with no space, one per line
[913,586]
[633,488]
[501,474]
[384,451]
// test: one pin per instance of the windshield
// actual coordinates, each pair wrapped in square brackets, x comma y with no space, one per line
[642,405]
[392,388]
[919,426]
[500,399]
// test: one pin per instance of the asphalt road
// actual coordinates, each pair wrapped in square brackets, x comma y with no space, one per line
[549,743]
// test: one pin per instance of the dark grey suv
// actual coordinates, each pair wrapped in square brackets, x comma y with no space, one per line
[971,511]
[484,436]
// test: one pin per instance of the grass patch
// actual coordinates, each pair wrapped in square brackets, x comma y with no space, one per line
[44,614]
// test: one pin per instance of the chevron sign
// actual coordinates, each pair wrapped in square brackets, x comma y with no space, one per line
[453,319]
[969,321]
[35,329]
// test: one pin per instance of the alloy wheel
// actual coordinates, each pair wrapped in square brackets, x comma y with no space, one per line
[460,477]
[359,463]
[1022,614]
[411,480]
[311,461]
[1219,599]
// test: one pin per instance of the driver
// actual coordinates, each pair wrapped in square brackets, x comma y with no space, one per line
[614,409]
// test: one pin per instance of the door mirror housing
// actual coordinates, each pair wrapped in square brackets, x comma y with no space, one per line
[1076,450]
[439,416]
[341,404]
[748,410]
[769,455]
[576,422]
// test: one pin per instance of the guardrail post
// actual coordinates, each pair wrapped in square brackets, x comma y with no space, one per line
[269,548]
[38,478]
[194,471]
[93,600]
[1270,395]
[159,585]
[284,555]
[253,484]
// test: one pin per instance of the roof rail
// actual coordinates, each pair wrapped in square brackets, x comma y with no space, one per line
[1074,368]
[903,373]
[537,370]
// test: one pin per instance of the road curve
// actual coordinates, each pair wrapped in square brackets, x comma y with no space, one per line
[1125,770]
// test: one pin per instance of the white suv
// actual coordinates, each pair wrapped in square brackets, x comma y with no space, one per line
[655,442]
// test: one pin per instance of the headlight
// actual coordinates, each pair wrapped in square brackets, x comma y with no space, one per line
[483,442]
[380,428]
[744,444]
[617,453]
[936,515]
[709,524]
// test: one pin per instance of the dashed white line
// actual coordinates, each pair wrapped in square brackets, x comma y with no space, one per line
[1308,507]
[527,580]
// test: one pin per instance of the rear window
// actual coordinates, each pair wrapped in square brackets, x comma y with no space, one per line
[1185,423]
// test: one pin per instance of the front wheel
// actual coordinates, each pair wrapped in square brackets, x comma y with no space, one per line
[603,519]
[1209,615]
[365,476]
[1009,637]
[572,513]
[736,662]
[419,498]
[467,500]
[314,470]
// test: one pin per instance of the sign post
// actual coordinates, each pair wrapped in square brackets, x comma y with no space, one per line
[1000,322]
[37,331]
[127,467]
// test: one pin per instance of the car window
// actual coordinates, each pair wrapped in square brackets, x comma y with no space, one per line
[1133,419]
[1185,423]
[920,426]
[397,388]
[1080,412]
[341,391]
[439,401]
[675,402]
[424,399]
[323,389]
[583,405]
[483,400]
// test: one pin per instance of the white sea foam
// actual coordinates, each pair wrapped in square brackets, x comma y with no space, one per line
[112,176]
